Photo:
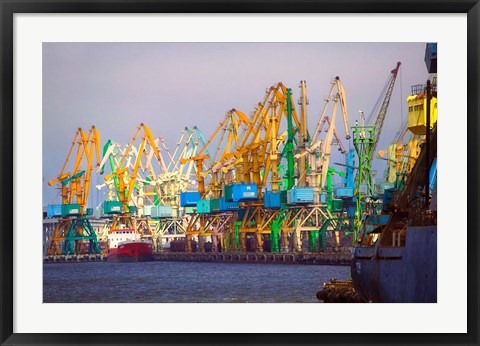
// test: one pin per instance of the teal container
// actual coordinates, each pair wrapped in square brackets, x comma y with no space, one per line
[133,209]
[381,187]
[165,210]
[214,205]
[190,210]
[112,207]
[203,206]
[161,211]
[228,193]
[337,204]
[147,210]
[71,210]
[283,197]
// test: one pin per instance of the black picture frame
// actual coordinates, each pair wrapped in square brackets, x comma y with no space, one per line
[10,7]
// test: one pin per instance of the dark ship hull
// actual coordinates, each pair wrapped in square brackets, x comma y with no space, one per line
[398,274]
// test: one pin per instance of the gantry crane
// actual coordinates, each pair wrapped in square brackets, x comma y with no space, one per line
[229,129]
[127,179]
[73,228]
[320,149]
[308,213]
[175,179]
[113,153]
[259,156]
[204,223]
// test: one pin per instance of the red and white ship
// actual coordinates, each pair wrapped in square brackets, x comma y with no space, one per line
[126,245]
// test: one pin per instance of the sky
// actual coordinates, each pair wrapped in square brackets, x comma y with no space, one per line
[169,86]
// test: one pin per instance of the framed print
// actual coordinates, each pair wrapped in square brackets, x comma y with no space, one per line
[250,164]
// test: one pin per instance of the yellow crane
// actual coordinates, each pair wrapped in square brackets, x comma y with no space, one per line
[227,136]
[231,125]
[402,156]
[259,156]
[127,180]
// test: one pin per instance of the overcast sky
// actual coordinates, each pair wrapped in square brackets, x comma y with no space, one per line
[167,86]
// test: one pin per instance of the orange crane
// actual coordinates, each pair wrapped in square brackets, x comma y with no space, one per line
[74,228]
[258,151]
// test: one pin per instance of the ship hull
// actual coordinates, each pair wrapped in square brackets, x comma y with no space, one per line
[406,274]
[131,252]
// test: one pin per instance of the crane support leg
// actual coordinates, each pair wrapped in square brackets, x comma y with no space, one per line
[79,232]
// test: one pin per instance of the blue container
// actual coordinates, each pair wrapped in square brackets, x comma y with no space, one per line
[300,195]
[241,214]
[189,199]
[323,197]
[71,209]
[54,210]
[387,198]
[344,192]
[378,219]
[224,205]
[240,192]
[271,200]
[431,57]
[351,207]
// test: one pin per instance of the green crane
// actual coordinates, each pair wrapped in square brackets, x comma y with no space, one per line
[289,176]
[365,139]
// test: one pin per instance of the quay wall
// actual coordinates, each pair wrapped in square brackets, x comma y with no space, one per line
[342,259]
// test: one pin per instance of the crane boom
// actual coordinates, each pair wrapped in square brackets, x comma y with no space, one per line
[383,110]
[76,183]
[126,188]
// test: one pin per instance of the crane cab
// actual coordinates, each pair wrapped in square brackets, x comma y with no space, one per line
[417,117]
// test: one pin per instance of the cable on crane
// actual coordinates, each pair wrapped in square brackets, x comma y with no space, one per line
[374,112]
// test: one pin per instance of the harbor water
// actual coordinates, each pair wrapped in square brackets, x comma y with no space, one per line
[185,282]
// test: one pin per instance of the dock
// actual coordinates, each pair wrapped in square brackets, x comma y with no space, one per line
[330,258]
